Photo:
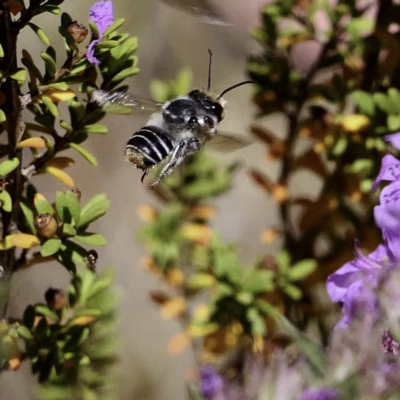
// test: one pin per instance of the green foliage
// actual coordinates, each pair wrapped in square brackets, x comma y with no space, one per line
[70,341]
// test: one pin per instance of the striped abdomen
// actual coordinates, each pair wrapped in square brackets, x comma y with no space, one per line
[148,147]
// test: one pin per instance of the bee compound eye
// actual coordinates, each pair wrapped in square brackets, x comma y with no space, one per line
[218,110]
[193,121]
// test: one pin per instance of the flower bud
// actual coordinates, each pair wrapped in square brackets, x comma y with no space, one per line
[46,225]
[55,299]
[78,32]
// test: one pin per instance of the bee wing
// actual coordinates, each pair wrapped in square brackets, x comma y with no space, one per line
[204,10]
[227,142]
[123,103]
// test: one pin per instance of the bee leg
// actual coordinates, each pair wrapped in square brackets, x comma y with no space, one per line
[143,176]
[183,149]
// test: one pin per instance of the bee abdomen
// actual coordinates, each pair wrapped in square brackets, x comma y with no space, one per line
[148,147]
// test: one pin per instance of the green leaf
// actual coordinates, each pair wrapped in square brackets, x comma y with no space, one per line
[259,281]
[73,206]
[283,260]
[393,122]
[340,146]
[2,116]
[84,153]
[91,239]
[68,230]
[244,298]
[96,207]
[74,252]
[77,111]
[258,327]
[19,75]
[126,73]
[41,309]
[381,101]
[201,280]
[8,166]
[29,215]
[68,207]
[51,66]
[184,82]
[39,31]
[292,291]
[107,44]
[66,126]
[302,269]
[1,51]
[44,207]
[54,110]
[114,26]
[94,128]
[5,201]
[50,247]
[364,101]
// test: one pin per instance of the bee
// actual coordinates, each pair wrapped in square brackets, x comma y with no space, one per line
[178,129]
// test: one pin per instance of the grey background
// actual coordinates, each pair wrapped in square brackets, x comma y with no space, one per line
[168,41]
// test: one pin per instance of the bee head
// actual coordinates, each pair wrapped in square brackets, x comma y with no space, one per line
[212,106]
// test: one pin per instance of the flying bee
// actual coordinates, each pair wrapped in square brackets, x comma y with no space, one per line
[178,129]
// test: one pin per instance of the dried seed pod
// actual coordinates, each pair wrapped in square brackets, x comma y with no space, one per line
[46,225]
[55,299]
[78,32]
[77,193]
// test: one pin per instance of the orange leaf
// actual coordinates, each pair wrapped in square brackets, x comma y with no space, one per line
[147,213]
[60,175]
[261,180]
[24,240]
[173,308]
[312,161]
[178,343]
[60,162]
[83,320]
[199,233]
[56,95]
[15,362]
[202,212]
[280,193]
[174,277]
[201,312]
[36,143]
[269,235]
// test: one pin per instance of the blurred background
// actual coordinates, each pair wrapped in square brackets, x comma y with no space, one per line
[169,40]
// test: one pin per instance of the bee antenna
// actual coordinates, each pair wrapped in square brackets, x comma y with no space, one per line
[209,70]
[234,87]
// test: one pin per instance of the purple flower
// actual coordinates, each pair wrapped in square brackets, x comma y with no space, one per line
[354,283]
[394,139]
[387,217]
[362,269]
[101,14]
[211,383]
[389,345]
[390,170]
[320,394]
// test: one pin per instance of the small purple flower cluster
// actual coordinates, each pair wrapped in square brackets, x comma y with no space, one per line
[355,283]
[102,15]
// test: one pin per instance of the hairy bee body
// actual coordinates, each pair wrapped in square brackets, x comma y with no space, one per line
[179,129]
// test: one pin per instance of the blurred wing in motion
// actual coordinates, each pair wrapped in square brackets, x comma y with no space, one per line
[227,142]
[204,10]
[123,103]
